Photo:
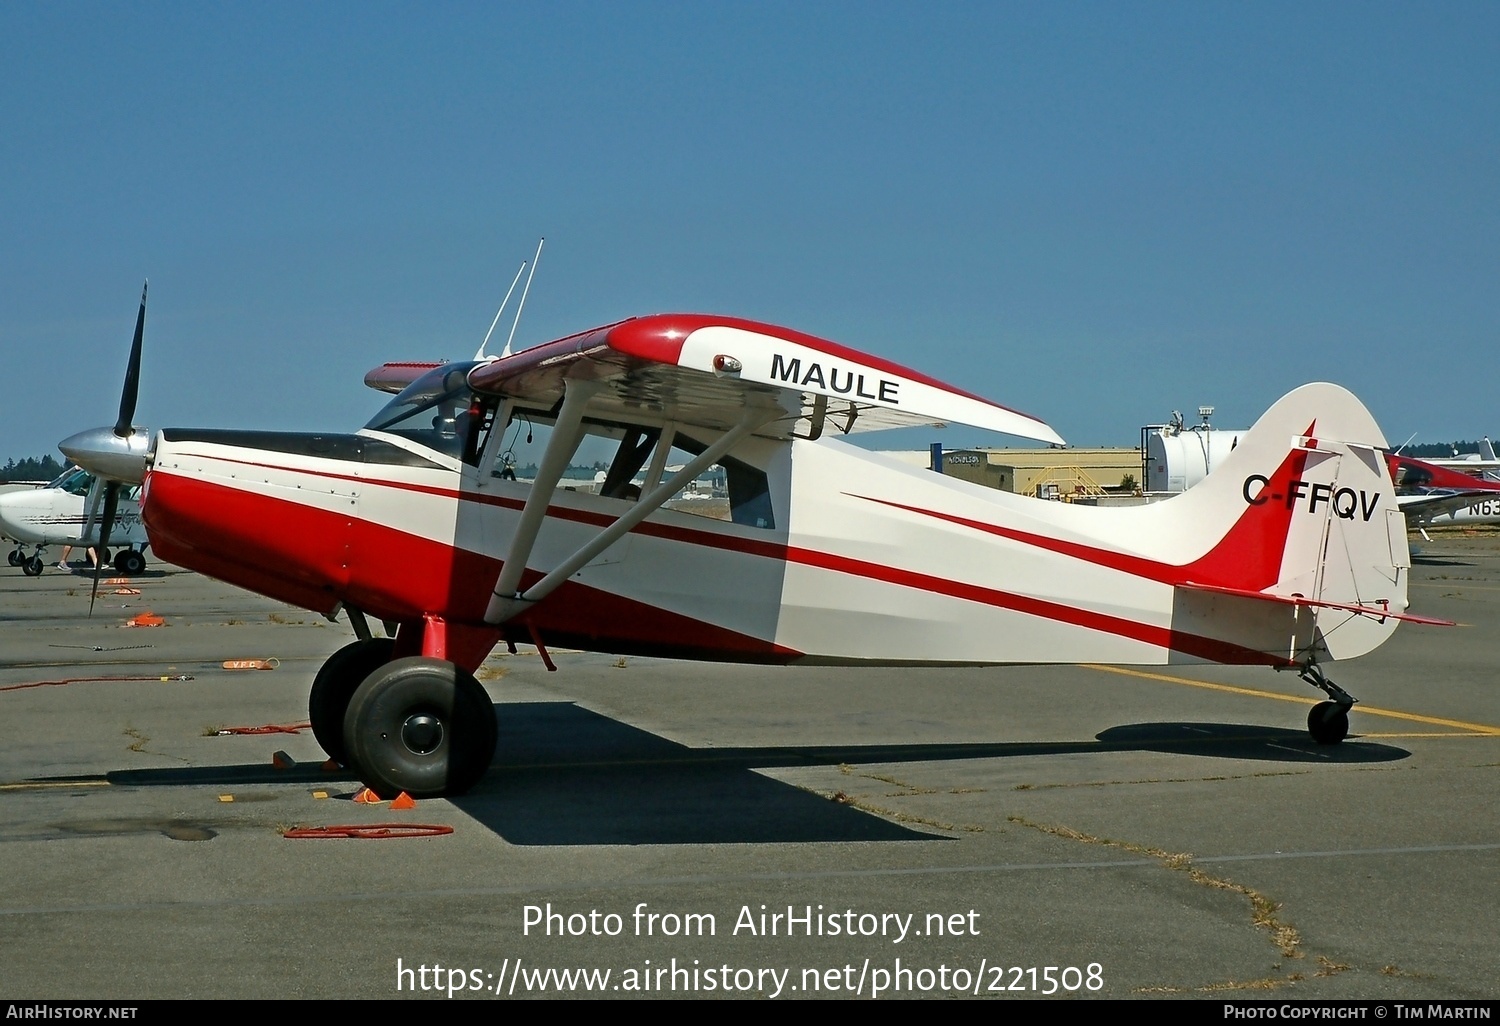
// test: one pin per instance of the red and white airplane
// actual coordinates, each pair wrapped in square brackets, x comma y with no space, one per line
[1292,553]
[1433,494]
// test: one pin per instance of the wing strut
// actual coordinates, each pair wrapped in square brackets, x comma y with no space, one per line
[504,606]
[566,434]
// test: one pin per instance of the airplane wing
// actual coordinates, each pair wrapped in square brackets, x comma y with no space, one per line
[1427,507]
[393,377]
[1410,474]
[697,369]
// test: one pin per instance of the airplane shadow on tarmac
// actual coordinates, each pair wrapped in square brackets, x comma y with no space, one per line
[1417,559]
[564,775]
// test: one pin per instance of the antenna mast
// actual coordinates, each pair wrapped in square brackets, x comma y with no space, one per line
[522,305]
[480,355]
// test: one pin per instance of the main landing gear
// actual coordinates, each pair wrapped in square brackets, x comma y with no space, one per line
[335,685]
[1327,722]
[130,562]
[420,725]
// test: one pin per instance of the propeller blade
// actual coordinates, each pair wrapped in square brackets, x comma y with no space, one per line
[111,501]
[131,390]
[96,494]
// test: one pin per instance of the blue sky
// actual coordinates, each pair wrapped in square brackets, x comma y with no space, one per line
[1096,213]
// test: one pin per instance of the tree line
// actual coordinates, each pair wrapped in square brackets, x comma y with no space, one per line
[1439,450]
[43,469]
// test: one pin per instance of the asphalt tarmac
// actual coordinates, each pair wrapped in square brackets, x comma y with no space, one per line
[694,830]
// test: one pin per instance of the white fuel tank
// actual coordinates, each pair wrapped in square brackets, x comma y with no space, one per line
[1178,457]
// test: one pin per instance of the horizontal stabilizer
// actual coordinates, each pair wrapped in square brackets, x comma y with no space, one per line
[1379,612]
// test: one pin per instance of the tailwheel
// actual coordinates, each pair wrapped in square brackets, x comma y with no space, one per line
[420,725]
[1328,723]
[333,687]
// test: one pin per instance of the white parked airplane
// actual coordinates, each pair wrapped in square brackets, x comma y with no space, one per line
[1484,464]
[66,512]
[1290,554]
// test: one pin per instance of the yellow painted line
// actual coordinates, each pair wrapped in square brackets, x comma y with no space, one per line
[1475,728]
[41,785]
[1446,733]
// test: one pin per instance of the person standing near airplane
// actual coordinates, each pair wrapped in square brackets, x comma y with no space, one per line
[62,562]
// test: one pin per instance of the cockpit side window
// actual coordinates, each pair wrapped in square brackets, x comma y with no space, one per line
[620,461]
[746,486]
[636,445]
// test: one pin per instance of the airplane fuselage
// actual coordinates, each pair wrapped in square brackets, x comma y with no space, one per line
[52,516]
[869,560]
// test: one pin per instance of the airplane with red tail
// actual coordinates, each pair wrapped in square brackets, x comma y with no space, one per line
[730,519]
[1431,493]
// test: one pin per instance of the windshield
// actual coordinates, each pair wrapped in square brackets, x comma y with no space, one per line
[438,410]
[74,481]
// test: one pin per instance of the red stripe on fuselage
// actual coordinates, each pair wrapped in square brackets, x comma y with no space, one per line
[394,575]
[1163,637]
[672,532]
[1248,557]
[314,558]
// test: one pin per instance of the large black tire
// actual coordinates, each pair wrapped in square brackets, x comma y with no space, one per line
[129,562]
[1328,723]
[341,676]
[16,557]
[420,725]
[32,567]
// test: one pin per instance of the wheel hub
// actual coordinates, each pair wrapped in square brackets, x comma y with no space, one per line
[422,733]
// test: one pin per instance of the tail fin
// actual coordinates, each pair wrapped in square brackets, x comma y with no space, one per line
[1293,550]
[1313,522]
